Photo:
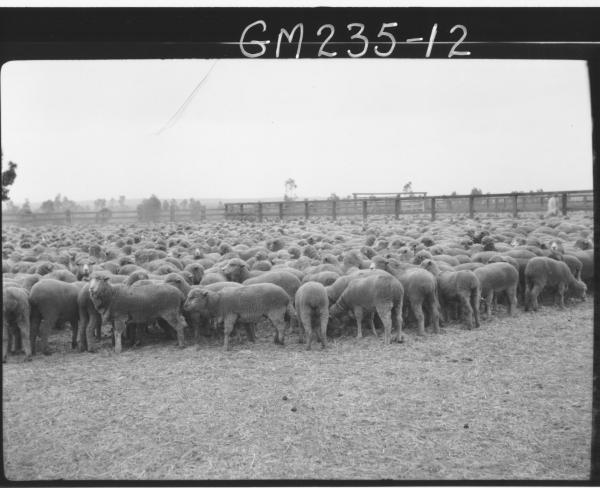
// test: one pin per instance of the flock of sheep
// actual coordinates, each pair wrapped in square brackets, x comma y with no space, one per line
[316,276]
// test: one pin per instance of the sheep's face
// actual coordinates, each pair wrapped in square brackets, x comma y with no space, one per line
[196,301]
[98,284]
[176,281]
[583,293]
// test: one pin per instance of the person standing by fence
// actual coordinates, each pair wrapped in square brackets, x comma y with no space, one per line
[552,207]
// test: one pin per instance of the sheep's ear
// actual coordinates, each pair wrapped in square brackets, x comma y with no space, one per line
[204,293]
[106,278]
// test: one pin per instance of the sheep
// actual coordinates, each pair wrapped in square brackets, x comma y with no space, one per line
[281,277]
[55,302]
[236,270]
[325,278]
[141,304]
[420,293]
[61,275]
[199,319]
[15,319]
[248,303]
[541,272]
[460,285]
[379,293]
[495,278]
[312,307]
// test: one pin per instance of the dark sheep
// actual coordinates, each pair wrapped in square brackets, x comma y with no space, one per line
[462,286]
[15,320]
[140,305]
[53,302]
[541,272]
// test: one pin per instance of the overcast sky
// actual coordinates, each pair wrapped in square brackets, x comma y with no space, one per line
[92,129]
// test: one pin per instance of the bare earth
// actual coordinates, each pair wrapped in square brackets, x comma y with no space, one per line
[511,400]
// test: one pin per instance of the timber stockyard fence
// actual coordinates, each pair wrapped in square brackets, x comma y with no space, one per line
[508,203]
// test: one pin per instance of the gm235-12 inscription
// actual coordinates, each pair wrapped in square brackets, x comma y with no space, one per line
[383,46]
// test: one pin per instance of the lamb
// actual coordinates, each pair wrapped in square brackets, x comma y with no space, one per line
[15,319]
[460,285]
[141,304]
[312,307]
[495,278]
[379,293]
[541,272]
[247,303]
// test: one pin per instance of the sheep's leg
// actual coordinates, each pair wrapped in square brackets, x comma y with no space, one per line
[249,326]
[119,328]
[475,299]
[47,324]
[433,312]
[24,327]
[277,318]
[35,319]
[533,294]
[74,331]
[468,311]
[5,339]
[512,300]
[561,295]
[358,315]
[370,316]
[324,317]
[384,311]
[305,328]
[228,324]
[418,312]
[397,316]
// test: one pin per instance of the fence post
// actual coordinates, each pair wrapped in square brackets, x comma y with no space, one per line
[306,209]
[226,211]
[471,206]
[241,211]
[564,204]
[397,208]
[515,208]
[260,212]
[432,208]
[68,216]
[364,210]
[172,213]
[334,209]
[203,213]
[280,210]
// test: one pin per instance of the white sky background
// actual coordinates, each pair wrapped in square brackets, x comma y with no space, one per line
[88,129]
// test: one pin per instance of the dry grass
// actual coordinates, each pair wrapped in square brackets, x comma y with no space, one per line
[511,400]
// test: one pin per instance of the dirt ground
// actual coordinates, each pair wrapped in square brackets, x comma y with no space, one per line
[511,400]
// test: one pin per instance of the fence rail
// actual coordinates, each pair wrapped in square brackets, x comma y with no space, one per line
[122,216]
[511,203]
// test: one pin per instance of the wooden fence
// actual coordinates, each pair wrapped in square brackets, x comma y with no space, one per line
[122,216]
[509,203]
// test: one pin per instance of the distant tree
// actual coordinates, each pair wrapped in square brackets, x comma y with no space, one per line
[165,206]
[149,209]
[8,178]
[407,188]
[174,205]
[290,188]
[10,207]
[220,204]
[57,203]
[26,208]
[333,196]
[99,203]
[541,190]
[476,191]
[112,202]
[453,194]
[195,208]
[184,204]
[122,201]
[47,206]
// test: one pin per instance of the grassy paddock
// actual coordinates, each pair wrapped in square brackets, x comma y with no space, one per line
[509,400]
